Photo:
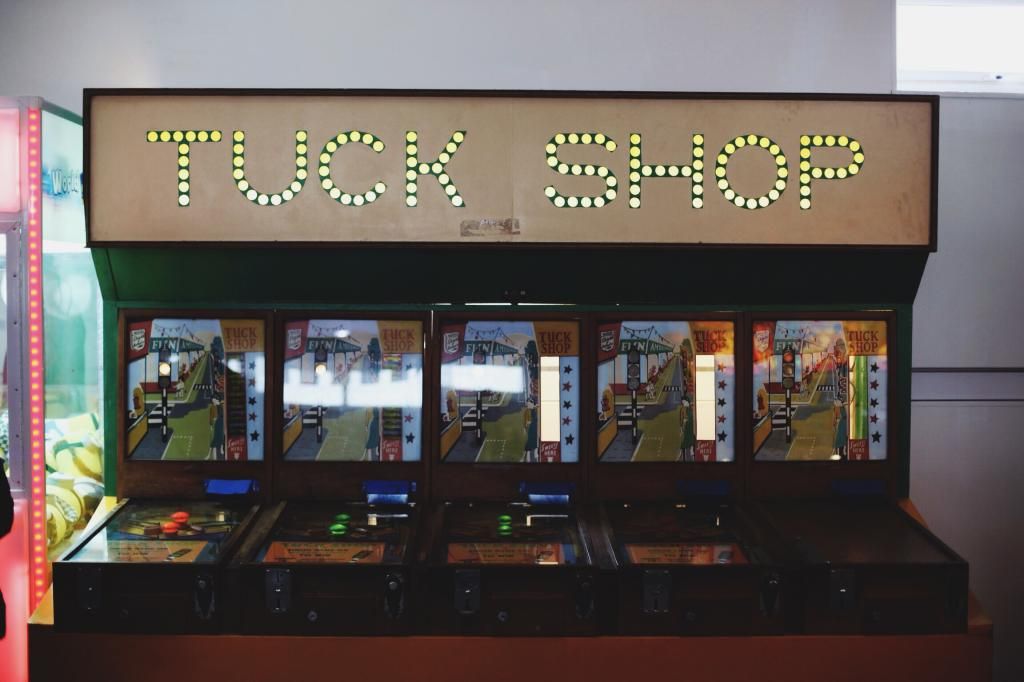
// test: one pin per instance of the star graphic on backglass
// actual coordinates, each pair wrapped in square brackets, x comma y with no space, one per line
[874,402]
[568,369]
[721,402]
[721,419]
[566,404]
[874,385]
[408,367]
[876,437]
[874,419]
[252,382]
[252,365]
[252,401]
[255,435]
[569,439]
[722,385]
[567,420]
[410,437]
[408,418]
[252,416]
[721,436]
[567,386]
[721,367]
[874,366]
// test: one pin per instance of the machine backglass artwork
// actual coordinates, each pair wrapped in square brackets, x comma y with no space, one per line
[666,391]
[195,389]
[820,390]
[510,391]
[353,390]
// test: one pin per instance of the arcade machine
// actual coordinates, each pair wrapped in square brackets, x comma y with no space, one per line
[191,469]
[683,559]
[336,556]
[825,417]
[510,552]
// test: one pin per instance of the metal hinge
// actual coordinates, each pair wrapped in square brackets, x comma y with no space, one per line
[657,591]
[467,592]
[278,589]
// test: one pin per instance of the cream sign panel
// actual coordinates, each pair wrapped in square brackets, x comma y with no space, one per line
[382,168]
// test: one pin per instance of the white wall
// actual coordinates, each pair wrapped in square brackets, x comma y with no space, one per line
[967,463]
[56,47]
[968,312]
[966,460]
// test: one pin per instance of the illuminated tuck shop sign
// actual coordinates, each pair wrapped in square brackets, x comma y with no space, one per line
[471,168]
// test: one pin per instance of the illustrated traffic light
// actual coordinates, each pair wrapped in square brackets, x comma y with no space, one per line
[320,361]
[633,370]
[163,380]
[633,384]
[163,368]
[788,368]
[788,382]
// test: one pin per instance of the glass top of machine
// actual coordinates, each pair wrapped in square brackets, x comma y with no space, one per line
[339,533]
[513,534]
[144,532]
[848,532]
[673,534]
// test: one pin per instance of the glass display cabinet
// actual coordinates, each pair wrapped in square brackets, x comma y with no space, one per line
[51,439]
[50,401]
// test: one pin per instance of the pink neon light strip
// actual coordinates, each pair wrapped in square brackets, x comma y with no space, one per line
[38,578]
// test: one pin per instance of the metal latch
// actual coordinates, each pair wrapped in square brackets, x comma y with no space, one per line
[394,595]
[278,585]
[90,594]
[467,592]
[841,589]
[584,596]
[770,594]
[657,591]
[204,598]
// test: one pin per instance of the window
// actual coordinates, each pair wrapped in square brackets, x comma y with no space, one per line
[960,47]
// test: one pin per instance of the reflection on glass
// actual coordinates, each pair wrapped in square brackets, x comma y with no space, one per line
[73,338]
[177,532]
[509,391]
[353,390]
[665,391]
[705,366]
[195,389]
[836,405]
